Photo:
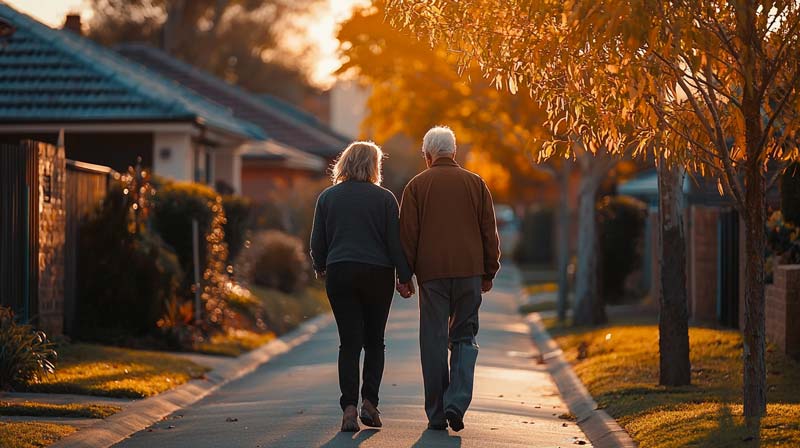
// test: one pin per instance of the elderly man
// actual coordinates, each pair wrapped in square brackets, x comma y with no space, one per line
[449,235]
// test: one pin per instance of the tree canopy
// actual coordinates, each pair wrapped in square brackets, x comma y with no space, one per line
[713,86]
[241,41]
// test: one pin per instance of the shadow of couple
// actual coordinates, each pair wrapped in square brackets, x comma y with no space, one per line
[428,439]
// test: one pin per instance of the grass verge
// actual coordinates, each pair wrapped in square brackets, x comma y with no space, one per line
[619,365]
[234,342]
[72,410]
[31,435]
[89,369]
[537,307]
[283,312]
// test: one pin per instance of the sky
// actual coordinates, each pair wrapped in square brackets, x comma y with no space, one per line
[323,32]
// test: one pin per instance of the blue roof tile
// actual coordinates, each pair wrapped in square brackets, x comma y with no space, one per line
[54,75]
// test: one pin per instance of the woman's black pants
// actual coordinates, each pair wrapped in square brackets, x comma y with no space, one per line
[360,296]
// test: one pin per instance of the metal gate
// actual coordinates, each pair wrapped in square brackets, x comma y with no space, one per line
[19,228]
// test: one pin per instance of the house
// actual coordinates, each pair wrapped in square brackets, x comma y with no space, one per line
[296,146]
[111,109]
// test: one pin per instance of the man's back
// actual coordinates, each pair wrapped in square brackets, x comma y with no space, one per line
[448,224]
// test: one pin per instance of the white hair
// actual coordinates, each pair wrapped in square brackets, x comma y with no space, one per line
[439,142]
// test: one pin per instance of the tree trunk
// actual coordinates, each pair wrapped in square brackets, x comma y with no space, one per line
[755,372]
[673,316]
[172,26]
[754,210]
[563,241]
[589,308]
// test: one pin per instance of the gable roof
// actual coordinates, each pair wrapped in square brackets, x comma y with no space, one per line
[53,75]
[279,120]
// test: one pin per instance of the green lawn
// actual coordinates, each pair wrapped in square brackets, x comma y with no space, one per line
[31,435]
[90,369]
[75,410]
[620,369]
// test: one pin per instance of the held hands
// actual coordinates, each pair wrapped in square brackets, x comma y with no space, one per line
[320,274]
[406,290]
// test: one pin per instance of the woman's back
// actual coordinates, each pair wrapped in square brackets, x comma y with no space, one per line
[357,222]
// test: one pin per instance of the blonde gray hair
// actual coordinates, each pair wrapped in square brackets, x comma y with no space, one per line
[361,161]
[440,141]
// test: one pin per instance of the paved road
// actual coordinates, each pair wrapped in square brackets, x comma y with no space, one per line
[293,400]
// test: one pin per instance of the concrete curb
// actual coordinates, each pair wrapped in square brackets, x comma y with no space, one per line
[144,413]
[601,430]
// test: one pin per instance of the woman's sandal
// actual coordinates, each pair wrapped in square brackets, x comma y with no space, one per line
[350,420]
[370,415]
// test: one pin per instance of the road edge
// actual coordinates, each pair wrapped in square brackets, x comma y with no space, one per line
[600,428]
[144,413]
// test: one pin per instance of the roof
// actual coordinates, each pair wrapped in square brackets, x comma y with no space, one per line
[53,75]
[272,152]
[279,120]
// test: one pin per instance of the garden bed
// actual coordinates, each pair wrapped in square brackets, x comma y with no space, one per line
[618,364]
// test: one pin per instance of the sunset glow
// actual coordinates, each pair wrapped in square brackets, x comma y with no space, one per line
[321,30]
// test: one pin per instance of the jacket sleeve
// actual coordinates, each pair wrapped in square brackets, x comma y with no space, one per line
[491,240]
[319,239]
[393,243]
[409,226]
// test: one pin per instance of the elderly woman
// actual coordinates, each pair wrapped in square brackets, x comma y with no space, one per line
[355,246]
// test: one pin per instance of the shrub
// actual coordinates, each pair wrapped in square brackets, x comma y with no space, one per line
[124,276]
[291,209]
[790,194]
[783,243]
[238,216]
[537,237]
[277,260]
[176,204]
[25,354]
[620,231]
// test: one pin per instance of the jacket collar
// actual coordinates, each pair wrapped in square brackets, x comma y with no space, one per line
[444,161]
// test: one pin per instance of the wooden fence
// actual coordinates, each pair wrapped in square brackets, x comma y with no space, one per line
[19,228]
[87,186]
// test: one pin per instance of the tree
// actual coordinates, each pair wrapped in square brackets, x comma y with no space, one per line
[238,40]
[713,86]
[414,87]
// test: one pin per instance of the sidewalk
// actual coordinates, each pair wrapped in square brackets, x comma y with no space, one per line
[292,401]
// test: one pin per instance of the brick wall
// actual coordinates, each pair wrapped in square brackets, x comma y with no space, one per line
[703,263]
[52,172]
[783,310]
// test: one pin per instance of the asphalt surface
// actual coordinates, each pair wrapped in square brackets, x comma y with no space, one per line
[292,401]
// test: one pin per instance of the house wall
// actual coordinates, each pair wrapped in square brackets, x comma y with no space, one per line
[115,150]
[173,156]
[348,105]
[783,310]
[703,263]
[228,167]
[259,181]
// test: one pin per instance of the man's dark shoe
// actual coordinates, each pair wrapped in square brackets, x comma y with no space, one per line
[437,426]
[455,420]
[370,415]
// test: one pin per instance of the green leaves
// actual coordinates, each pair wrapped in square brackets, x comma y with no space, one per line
[26,355]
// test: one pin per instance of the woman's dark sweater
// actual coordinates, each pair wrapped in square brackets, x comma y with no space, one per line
[358,222]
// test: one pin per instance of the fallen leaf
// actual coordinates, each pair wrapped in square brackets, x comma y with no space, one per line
[231,419]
